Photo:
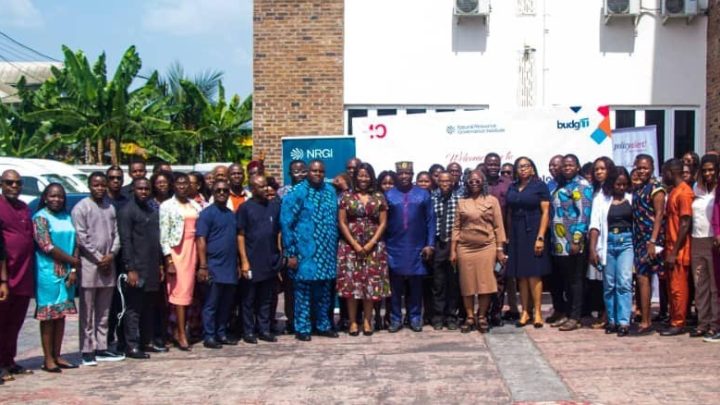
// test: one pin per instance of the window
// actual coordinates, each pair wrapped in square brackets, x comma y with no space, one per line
[657,118]
[355,113]
[684,132]
[30,186]
[415,111]
[624,119]
[386,111]
[441,110]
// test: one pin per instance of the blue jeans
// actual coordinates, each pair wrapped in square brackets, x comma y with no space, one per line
[617,278]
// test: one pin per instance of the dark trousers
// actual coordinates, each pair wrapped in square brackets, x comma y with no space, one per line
[12,316]
[139,319]
[573,269]
[216,310]
[414,299]
[445,287]
[257,305]
[557,288]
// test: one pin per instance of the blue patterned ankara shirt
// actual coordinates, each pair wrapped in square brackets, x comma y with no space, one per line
[308,219]
[571,207]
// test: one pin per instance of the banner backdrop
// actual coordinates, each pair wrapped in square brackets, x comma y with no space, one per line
[334,151]
[466,136]
[629,142]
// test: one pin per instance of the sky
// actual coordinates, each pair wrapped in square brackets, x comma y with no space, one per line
[199,34]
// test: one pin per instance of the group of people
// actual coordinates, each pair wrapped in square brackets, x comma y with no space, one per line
[159,259]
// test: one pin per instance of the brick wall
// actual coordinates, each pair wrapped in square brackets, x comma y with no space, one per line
[298,73]
[713,77]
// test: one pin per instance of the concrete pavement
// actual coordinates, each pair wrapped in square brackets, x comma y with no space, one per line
[509,365]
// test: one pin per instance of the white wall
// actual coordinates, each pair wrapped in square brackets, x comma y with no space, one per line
[414,52]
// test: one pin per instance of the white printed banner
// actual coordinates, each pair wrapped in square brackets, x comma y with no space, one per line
[629,142]
[466,136]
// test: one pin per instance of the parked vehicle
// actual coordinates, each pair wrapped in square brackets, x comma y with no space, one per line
[36,179]
[70,200]
[69,174]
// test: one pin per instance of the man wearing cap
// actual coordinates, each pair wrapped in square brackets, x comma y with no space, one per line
[409,238]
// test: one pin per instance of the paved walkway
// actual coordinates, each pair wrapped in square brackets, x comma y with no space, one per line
[509,365]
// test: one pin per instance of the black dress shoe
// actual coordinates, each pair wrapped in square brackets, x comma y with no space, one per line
[610,329]
[303,337]
[137,354]
[212,344]
[416,327]
[267,337]
[153,348]
[328,333]
[251,339]
[623,331]
[674,331]
[227,341]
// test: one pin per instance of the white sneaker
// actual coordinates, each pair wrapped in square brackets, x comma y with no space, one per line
[713,339]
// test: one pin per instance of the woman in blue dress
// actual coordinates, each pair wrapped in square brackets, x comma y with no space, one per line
[528,213]
[56,264]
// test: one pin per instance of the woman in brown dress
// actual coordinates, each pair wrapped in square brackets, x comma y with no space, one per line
[477,246]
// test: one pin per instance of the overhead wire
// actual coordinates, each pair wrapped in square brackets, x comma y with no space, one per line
[20,44]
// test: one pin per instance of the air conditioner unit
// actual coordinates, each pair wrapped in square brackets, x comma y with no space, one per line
[621,8]
[679,9]
[472,8]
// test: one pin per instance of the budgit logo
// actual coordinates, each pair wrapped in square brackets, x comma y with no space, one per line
[296,154]
[574,124]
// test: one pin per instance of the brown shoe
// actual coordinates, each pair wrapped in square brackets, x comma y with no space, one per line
[570,325]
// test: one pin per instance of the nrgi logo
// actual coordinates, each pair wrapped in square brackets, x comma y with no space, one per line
[296,154]
[317,153]
[574,124]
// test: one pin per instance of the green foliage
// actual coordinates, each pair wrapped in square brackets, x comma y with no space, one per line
[81,115]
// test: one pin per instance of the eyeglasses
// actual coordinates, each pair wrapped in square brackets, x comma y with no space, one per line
[474,182]
[13,182]
[222,190]
[524,166]
[506,172]
[115,177]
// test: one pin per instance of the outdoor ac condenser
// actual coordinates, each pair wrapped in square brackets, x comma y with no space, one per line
[627,8]
[471,8]
[679,9]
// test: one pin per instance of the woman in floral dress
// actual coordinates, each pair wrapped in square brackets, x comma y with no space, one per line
[362,260]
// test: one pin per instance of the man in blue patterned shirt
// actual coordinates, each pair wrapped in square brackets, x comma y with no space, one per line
[308,219]
[571,203]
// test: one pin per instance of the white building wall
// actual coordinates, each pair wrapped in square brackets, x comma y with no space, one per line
[416,53]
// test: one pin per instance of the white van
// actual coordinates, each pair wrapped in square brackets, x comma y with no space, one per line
[69,174]
[35,180]
[76,176]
